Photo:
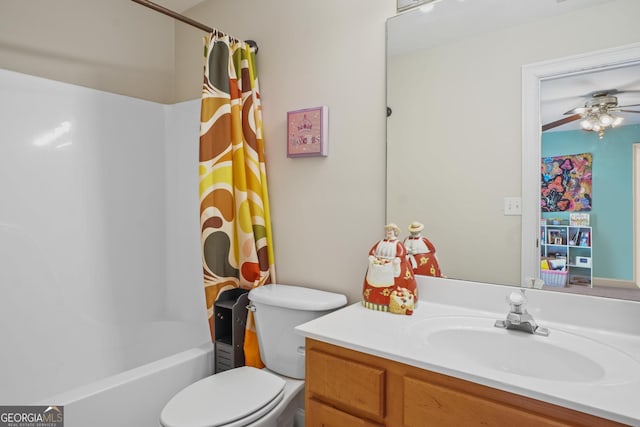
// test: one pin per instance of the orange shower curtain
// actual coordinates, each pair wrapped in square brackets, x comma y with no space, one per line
[237,247]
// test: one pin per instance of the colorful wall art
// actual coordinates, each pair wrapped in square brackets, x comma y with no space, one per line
[566,183]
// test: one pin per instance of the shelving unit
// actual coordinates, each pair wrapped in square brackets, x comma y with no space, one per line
[569,245]
[230,311]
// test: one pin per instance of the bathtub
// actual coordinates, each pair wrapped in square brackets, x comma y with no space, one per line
[135,397]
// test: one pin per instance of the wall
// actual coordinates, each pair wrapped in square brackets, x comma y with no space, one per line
[612,213]
[327,212]
[115,45]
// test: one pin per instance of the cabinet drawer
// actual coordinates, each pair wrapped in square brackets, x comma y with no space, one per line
[346,383]
[427,404]
[321,415]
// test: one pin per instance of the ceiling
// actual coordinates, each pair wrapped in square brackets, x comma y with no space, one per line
[450,20]
[559,95]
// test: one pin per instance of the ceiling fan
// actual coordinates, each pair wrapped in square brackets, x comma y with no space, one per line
[597,113]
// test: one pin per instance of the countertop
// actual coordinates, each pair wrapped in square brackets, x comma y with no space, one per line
[388,336]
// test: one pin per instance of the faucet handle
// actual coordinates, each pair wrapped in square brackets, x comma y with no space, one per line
[517,301]
[516,298]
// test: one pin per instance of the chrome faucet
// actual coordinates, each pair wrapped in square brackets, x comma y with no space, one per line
[519,318]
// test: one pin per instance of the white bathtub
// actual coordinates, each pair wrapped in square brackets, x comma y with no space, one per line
[135,397]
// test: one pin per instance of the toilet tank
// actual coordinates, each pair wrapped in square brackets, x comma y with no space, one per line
[279,309]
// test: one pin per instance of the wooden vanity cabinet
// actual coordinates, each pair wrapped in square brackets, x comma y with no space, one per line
[346,388]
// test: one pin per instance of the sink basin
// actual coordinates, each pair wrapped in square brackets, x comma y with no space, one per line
[474,343]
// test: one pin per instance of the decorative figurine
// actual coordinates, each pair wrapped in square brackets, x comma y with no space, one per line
[390,284]
[421,252]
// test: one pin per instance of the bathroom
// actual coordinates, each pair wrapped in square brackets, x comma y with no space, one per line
[129,50]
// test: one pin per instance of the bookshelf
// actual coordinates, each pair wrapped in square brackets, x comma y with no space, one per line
[567,250]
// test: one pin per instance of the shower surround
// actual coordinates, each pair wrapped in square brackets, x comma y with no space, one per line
[99,235]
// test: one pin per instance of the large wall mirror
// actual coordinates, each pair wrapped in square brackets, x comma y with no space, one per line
[455,135]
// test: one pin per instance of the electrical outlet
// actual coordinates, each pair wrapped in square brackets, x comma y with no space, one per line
[513,206]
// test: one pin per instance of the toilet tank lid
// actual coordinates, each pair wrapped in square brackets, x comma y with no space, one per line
[297,297]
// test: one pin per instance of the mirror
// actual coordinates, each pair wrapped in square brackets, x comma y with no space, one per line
[455,133]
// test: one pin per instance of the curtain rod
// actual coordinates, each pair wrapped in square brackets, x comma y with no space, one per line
[186,20]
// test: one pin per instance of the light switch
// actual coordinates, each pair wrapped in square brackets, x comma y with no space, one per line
[513,206]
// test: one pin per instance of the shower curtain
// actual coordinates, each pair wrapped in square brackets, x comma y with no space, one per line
[237,248]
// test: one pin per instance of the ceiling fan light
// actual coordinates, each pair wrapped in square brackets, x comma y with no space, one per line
[586,124]
[605,119]
[597,127]
[617,121]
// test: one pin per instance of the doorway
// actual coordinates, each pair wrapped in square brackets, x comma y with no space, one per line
[533,76]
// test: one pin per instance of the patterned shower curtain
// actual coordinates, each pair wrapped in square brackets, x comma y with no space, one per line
[237,247]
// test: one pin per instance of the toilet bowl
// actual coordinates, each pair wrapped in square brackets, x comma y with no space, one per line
[247,396]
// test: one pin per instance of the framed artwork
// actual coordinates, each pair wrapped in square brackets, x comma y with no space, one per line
[308,132]
[566,183]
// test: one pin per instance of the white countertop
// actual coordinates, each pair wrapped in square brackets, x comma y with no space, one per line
[387,335]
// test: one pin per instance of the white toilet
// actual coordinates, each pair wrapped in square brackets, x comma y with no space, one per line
[245,396]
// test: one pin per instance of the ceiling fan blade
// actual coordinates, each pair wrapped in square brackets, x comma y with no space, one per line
[630,105]
[634,84]
[560,122]
[613,92]
[577,110]
[628,111]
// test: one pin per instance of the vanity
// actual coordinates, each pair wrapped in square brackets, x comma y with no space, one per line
[448,365]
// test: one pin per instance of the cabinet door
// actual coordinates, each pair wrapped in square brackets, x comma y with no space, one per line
[350,385]
[320,415]
[427,404]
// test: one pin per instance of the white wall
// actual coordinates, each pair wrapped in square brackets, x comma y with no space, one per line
[116,45]
[327,212]
[90,229]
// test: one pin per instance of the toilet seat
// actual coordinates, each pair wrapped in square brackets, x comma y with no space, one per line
[231,398]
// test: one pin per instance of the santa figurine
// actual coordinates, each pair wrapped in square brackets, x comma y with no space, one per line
[390,284]
[421,253]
